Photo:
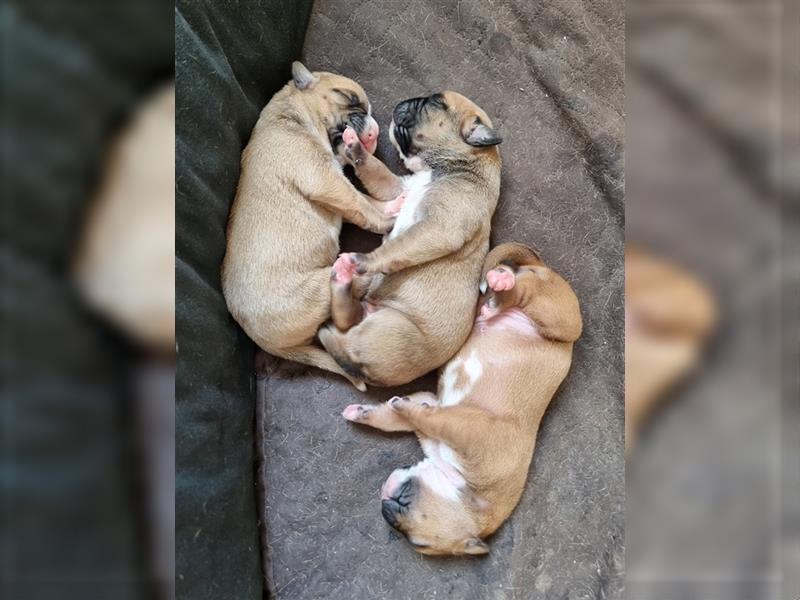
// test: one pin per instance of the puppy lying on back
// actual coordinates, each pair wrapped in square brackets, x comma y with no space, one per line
[283,230]
[415,309]
[479,432]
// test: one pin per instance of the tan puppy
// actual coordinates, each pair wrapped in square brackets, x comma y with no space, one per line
[283,230]
[125,264]
[415,309]
[479,432]
[668,316]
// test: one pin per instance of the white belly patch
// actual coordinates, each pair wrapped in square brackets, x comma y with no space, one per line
[459,378]
[414,187]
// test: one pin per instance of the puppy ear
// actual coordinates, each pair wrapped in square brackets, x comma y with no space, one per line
[475,546]
[482,135]
[303,78]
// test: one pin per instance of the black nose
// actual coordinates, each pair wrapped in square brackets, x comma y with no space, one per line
[389,510]
[405,113]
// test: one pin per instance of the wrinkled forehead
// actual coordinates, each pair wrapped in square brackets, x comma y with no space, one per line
[464,106]
[342,85]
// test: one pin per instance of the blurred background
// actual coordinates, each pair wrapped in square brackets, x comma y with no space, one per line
[712,274]
[712,288]
[86,467]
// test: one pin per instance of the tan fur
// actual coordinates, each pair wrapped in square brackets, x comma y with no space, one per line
[125,264]
[669,314]
[492,430]
[424,286]
[283,229]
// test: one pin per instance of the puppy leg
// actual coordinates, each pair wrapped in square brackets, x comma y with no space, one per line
[346,308]
[385,349]
[334,192]
[383,417]
[381,183]
[457,426]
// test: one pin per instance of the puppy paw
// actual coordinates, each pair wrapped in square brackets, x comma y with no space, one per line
[500,279]
[353,149]
[401,403]
[393,207]
[356,412]
[359,262]
[343,269]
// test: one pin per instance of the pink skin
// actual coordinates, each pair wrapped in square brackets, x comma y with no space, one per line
[500,279]
[368,139]
[393,207]
[344,268]
[354,412]
[391,484]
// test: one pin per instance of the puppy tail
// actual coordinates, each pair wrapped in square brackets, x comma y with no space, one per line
[510,253]
[331,340]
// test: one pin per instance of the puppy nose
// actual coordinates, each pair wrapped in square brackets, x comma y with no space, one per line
[389,510]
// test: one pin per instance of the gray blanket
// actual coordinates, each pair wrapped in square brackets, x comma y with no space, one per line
[551,77]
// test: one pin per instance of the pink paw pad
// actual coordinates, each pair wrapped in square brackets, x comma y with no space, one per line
[500,279]
[354,412]
[349,136]
[393,208]
[344,268]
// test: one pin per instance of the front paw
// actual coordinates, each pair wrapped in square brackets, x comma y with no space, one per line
[393,208]
[353,150]
[354,262]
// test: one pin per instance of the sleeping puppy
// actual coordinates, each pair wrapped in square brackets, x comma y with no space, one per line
[406,307]
[283,229]
[479,432]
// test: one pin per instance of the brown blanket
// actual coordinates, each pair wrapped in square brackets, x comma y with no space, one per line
[550,74]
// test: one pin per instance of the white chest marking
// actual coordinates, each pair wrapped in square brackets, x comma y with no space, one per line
[471,367]
[414,187]
[439,470]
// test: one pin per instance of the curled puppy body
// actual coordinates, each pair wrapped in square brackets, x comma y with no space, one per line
[406,307]
[479,432]
[283,229]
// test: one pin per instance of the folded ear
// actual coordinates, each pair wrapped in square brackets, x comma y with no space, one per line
[475,546]
[303,78]
[481,134]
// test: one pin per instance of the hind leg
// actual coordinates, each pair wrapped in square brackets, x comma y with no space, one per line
[346,308]
[385,349]
[292,335]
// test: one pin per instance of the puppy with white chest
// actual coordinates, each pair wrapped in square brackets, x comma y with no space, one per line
[405,308]
[479,432]
[284,225]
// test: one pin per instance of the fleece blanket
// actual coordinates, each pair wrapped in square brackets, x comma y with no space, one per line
[550,74]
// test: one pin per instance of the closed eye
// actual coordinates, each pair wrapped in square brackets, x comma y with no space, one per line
[351,99]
